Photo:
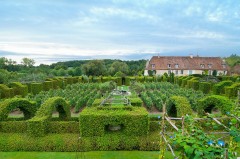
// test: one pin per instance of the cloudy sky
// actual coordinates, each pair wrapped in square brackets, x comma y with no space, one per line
[59,30]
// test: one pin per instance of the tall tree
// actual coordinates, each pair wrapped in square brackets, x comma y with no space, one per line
[27,62]
[94,68]
[119,66]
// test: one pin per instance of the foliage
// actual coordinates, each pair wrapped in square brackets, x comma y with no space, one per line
[178,106]
[94,67]
[94,121]
[5,91]
[36,88]
[205,87]
[28,108]
[219,87]
[19,89]
[27,62]
[231,91]
[214,101]
[136,102]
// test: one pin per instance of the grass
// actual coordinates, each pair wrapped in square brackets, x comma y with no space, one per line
[84,155]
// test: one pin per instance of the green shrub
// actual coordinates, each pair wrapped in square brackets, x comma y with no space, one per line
[13,126]
[148,79]
[28,108]
[69,80]
[136,102]
[184,81]
[60,127]
[205,87]
[232,90]
[97,80]
[97,102]
[178,106]
[37,126]
[36,88]
[19,89]
[106,79]
[219,87]
[47,85]
[195,85]
[208,103]
[94,122]
[5,91]
[140,79]
[127,81]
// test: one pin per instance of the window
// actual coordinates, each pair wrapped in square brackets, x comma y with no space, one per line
[202,65]
[176,72]
[176,65]
[224,72]
[190,72]
[169,65]
[181,71]
[153,65]
[209,65]
[224,65]
[169,72]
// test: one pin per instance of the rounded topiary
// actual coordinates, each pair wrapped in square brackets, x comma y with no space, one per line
[19,88]
[27,107]
[178,106]
[214,101]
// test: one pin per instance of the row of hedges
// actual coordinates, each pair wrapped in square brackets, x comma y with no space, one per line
[219,87]
[72,143]
[232,91]
[13,89]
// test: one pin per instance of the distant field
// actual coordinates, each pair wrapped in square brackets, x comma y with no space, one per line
[84,155]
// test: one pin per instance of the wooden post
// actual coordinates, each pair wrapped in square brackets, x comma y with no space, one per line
[162,142]
[183,155]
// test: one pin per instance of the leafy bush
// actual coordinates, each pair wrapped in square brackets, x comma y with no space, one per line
[36,88]
[19,89]
[136,102]
[205,87]
[232,90]
[5,91]
[219,87]
[47,85]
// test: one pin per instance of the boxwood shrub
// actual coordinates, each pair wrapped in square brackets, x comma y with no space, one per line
[36,88]
[19,88]
[205,87]
[47,85]
[232,91]
[5,91]
[136,102]
[219,87]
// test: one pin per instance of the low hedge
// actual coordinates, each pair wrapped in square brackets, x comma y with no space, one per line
[37,126]
[72,143]
[13,126]
[61,127]
[219,87]
[178,106]
[28,108]
[232,91]
[97,102]
[134,122]
[136,102]
[47,85]
[5,91]
[214,101]
[19,88]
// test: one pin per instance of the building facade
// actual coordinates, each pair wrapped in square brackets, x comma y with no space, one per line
[186,65]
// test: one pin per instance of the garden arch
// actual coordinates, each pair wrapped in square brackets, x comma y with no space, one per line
[27,107]
[208,103]
[178,106]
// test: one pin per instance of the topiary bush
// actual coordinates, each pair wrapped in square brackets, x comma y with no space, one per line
[178,106]
[136,102]
[95,122]
[36,88]
[205,87]
[47,85]
[232,91]
[19,88]
[219,87]
[208,103]
[5,91]
[37,126]
[28,108]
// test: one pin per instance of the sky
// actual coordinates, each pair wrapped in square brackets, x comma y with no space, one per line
[49,31]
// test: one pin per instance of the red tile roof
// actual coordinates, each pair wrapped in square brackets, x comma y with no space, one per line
[186,63]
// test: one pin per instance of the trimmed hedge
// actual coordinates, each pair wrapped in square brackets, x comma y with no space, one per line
[94,122]
[214,101]
[97,102]
[36,88]
[28,108]
[178,106]
[13,126]
[19,88]
[37,126]
[232,91]
[47,85]
[205,87]
[61,127]
[136,102]
[5,91]
[185,80]
[219,87]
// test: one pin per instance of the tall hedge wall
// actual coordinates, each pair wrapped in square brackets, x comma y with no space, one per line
[28,108]
[205,87]
[5,91]
[232,91]
[37,126]
[178,106]
[94,121]
[19,88]
[219,87]
[47,85]
[36,88]
[214,101]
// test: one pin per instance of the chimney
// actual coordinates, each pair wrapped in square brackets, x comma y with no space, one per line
[191,56]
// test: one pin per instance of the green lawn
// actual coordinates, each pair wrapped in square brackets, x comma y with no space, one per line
[84,155]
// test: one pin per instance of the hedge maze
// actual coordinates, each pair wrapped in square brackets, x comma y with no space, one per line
[106,126]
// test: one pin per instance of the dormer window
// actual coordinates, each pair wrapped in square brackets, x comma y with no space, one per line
[176,65]
[209,65]
[169,65]
[153,65]
[202,65]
